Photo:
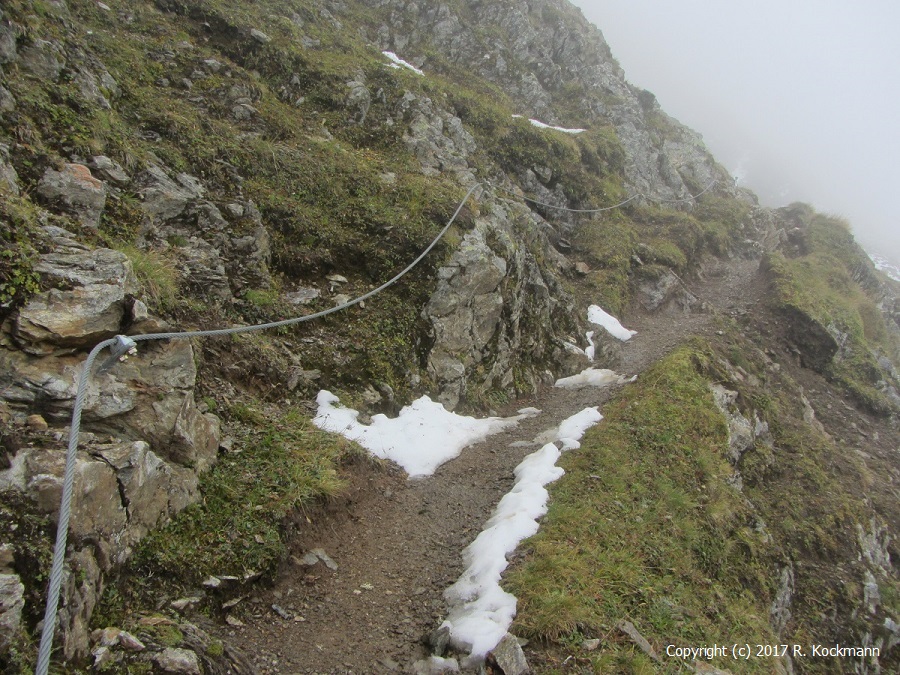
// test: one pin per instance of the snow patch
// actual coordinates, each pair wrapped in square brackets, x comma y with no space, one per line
[421,438]
[543,125]
[480,611]
[589,350]
[398,62]
[573,428]
[591,377]
[611,324]
[570,430]
[574,349]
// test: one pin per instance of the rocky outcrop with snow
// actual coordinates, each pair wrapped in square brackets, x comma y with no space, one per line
[535,51]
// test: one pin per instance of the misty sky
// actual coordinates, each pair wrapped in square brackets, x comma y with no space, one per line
[798,98]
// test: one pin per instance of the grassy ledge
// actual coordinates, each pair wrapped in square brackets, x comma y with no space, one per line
[279,464]
[828,285]
[644,527]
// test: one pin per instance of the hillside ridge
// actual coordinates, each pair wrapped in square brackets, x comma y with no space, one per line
[193,164]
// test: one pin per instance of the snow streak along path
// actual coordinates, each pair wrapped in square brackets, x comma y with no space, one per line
[400,548]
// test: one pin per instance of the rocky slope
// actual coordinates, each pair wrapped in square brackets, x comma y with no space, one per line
[557,68]
[200,163]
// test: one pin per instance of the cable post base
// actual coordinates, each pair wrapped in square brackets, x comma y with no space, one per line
[123,347]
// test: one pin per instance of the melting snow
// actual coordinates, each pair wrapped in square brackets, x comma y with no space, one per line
[481,611]
[609,322]
[575,349]
[425,435]
[591,377]
[597,315]
[421,438]
[543,125]
[572,428]
[589,350]
[398,62]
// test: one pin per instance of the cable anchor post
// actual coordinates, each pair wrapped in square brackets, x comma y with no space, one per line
[121,349]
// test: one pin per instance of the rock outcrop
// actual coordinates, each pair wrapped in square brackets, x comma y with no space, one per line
[666,291]
[145,441]
[744,433]
[11,603]
[76,190]
[86,305]
[497,315]
[516,305]
[214,261]
[9,179]
[535,52]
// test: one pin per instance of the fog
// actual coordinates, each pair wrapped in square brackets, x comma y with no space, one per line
[799,99]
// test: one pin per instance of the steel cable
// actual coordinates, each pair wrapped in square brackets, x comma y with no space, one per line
[58,563]
[605,208]
[65,508]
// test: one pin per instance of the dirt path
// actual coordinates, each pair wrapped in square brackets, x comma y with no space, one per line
[401,545]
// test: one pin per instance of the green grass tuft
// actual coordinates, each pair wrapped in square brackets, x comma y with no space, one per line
[18,231]
[157,275]
[237,528]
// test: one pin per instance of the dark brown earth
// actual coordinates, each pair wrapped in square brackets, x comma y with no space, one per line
[398,542]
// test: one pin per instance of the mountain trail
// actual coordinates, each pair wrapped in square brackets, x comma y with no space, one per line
[397,543]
